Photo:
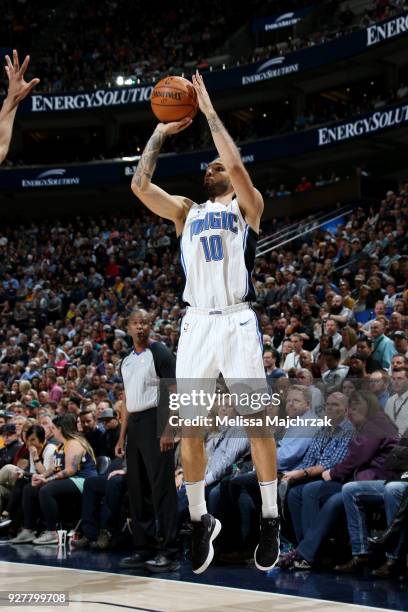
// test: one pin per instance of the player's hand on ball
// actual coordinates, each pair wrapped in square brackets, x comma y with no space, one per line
[174,126]
[18,87]
[204,101]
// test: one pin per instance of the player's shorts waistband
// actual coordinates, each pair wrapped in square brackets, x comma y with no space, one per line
[226,310]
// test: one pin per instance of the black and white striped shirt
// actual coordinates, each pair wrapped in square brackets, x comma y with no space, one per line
[141,374]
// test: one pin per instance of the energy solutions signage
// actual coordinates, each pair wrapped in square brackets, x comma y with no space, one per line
[373,122]
[100,98]
[171,165]
[389,29]
[282,20]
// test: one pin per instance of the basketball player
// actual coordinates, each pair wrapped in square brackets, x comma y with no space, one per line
[17,91]
[219,331]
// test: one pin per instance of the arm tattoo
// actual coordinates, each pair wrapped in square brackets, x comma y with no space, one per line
[76,462]
[147,162]
[215,123]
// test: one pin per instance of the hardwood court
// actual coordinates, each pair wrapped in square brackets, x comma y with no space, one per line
[94,591]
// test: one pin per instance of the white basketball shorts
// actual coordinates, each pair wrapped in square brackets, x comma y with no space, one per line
[220,340]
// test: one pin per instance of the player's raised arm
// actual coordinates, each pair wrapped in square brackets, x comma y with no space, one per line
[17,91]
[156,199]
[249,198]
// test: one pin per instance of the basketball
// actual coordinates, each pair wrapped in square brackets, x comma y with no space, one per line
[173,99]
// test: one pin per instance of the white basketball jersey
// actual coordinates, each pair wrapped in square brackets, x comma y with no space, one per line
[217,253]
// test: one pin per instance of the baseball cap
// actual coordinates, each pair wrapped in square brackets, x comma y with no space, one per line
[109,413]
[400,334]
[9,429]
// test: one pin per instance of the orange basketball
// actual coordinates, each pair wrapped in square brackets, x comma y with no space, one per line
[173,99]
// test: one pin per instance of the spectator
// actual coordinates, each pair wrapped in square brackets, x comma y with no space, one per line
[401,343]
[305,378]
[41,459]
[12,444]
[336,373]
[93,435]
[379,385]
[365,347]
[317,506]
[331,330]
[111,424]
[101,507]
[55,392]
[349,341]
[292,360]
[304,185]
[272,371]
[73,462]
[397,405]
[383,347]
[329,445]
[338,312]
[398,362]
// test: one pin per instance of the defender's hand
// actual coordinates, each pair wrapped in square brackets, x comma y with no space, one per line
[18,87]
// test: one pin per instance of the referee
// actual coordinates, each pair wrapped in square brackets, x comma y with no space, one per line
[149,454]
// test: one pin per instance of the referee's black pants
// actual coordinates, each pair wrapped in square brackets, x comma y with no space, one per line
[151,484]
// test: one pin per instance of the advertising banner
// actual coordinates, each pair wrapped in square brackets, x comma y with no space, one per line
[266,149]
[281,20]
[240,76]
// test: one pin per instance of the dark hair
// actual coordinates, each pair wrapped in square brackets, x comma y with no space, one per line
[328,338]
[68,427]
[332,352]
[270,349]
[363,338]
[138,311]
[371,400]
[359,356]
[37,430]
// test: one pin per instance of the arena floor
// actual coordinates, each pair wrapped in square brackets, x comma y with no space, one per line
[95,582]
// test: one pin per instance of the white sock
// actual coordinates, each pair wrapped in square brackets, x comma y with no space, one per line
[196,499]
[269,494]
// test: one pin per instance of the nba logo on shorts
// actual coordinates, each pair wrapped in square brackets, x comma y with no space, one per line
[185,326]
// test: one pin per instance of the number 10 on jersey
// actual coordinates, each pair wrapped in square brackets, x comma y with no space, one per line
[212,247]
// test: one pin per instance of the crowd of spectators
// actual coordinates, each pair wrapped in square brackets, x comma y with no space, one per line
[303,185]
[344,21]
[333,307]
[89,44]
[79,48]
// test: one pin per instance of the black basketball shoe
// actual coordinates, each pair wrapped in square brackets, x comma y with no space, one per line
[202,551]
[267,552]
